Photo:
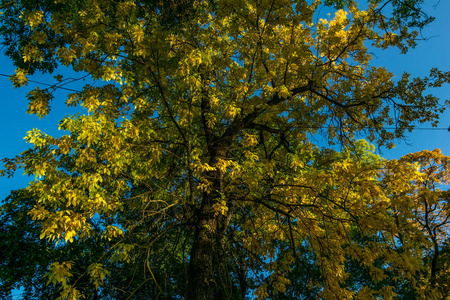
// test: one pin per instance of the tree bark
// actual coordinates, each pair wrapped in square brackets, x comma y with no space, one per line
[201,273]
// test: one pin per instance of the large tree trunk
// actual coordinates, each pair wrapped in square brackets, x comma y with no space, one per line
[208,232]
[201,272]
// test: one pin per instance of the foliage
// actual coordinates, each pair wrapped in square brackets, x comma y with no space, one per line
[18,29]
[195,164]
[405,12]
[25,261]
[432,216]
[21,246]
[25,257]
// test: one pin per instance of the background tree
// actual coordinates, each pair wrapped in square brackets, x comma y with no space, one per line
[25,257]
[204,133]
[432,214]
[21,247]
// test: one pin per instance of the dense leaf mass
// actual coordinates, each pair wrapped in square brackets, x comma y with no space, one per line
[219,158]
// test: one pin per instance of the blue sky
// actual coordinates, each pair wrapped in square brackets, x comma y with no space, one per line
[434,52]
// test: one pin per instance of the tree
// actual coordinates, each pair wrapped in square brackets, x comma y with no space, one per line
[204,134]
[432,214]
[423,207]
[25,260]
[21,246]
[25,257]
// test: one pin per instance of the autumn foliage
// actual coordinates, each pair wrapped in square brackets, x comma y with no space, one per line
[219,153]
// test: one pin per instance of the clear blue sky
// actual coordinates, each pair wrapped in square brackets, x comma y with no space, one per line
[14,122]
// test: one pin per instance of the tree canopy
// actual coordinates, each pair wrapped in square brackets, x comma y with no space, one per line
[196,172]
